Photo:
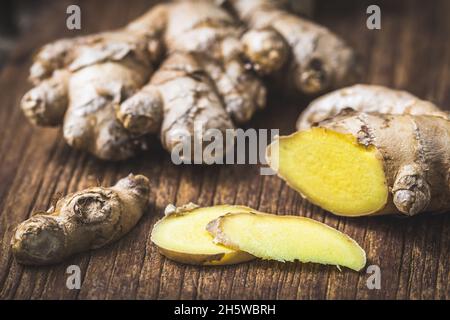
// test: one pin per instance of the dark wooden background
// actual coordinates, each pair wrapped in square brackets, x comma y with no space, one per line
[410,52]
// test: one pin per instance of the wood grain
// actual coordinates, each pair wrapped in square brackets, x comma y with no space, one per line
[412,51]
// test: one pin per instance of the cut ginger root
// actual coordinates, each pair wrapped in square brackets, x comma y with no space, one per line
[358,163]
[181,236]
[287,238]
[333,170]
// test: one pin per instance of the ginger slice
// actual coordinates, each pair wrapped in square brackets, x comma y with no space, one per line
[287,238]
[333,170]
[181,236]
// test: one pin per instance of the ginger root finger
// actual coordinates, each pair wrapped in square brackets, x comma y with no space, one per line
[142,112]
[189,100]
[46,103]
[90,121]
[366,98]
[319,60]
[181,236]
[54,56]
[205,30]
[266,49]
[100,71]
[84,220]
[287,238]
[368,163]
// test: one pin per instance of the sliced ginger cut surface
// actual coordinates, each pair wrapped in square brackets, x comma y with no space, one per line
[334,171]
[183,237]
[287,238]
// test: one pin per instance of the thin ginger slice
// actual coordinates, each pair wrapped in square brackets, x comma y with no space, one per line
[181,236]
[287,238]
[333,170]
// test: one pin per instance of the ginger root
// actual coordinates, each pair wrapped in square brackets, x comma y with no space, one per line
[366,98]
[108,94]
[287,238]
[183,62]
[84,220]
[181,236]
[358,163]
[314,58]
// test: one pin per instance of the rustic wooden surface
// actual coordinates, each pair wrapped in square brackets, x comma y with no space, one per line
[410,52]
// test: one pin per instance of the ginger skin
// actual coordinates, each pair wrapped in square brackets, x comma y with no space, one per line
[366,98]
[81,221]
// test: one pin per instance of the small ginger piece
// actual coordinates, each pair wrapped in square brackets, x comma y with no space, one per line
[287,238]
[359,164]
[366,98]
[84,220]
[181,236]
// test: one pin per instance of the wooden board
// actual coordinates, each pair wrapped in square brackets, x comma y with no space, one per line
[410,52]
